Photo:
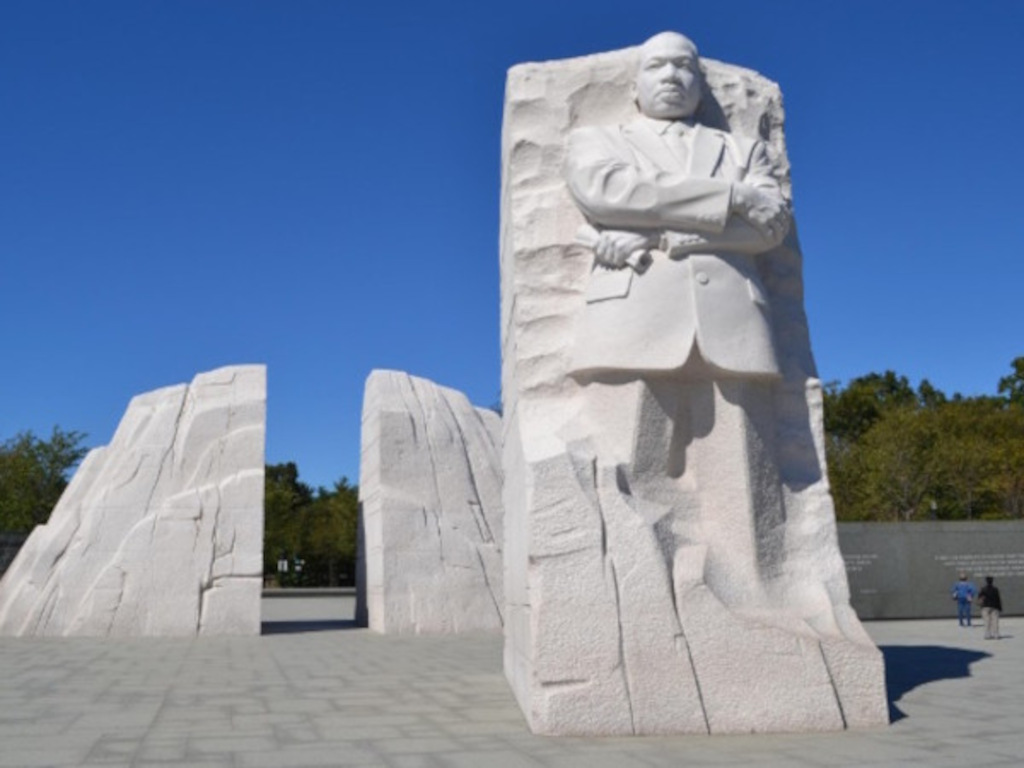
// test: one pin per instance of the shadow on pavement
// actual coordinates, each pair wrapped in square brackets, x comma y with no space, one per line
[295,627]
[908,666]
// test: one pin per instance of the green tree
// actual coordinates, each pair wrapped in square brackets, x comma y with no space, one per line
[329,535]
[1007,435]
[898,463]
[33,475]
[894,453]
[847,473]
[317,527]
[850,412]
[285,498]
[965,457]
[929,396]
[1012,386]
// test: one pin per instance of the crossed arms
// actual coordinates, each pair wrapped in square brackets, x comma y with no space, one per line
[636,209]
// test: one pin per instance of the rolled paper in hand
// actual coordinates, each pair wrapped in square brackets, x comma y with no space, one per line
[639,260]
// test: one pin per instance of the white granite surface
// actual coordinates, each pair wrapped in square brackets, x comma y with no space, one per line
[671,555]
[430,495]
[159,533]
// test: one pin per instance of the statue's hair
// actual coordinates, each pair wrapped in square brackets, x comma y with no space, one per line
[676,36]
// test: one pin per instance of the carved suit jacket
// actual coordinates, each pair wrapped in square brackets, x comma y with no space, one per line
[709,296]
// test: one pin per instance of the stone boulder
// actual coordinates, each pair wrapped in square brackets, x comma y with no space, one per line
[431,516]
[159,533]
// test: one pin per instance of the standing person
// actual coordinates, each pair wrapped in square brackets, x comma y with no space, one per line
[991,607]
[963,593]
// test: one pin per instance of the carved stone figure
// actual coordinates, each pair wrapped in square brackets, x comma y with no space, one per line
[706,199]
[671,556]
[679,357]
[430,510]
[159,533]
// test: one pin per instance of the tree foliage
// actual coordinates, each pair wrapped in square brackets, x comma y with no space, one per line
[899,454]
[33,474]
[314,530]
[1012,386]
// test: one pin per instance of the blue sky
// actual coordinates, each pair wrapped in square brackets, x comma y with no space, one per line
[314,186]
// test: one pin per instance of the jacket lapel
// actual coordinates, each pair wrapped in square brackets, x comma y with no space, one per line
[651,147]
[706,157]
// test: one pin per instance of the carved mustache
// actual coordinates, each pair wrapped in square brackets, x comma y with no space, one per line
[670,89]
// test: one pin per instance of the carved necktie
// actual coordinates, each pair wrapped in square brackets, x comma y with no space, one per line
[676,138]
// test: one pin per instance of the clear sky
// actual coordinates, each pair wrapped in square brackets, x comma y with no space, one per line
[314,186]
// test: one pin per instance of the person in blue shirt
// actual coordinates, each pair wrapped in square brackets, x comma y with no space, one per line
[963,593]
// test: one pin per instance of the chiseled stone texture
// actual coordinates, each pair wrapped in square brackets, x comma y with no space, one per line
[601,636]
[159,533]
[431,515]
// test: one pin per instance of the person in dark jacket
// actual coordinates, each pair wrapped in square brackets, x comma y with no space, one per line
[991,607]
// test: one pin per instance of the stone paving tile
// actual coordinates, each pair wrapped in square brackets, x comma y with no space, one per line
[491,759]
[366,732]
[226,762]
[418,746]
[44,757]
[159,749]
[412,761]
[326,755]
[352,698]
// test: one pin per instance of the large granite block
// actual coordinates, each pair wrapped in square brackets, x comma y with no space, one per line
[671,563]
[431,515]
[159,533]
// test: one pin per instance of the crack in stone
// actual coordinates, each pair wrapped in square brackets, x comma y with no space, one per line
[490,589]
[43,618]
[477,513]
[134,473]
[556,555]
[208,583]
[832,682]
[439,512]
[122,578]
[167,455]
[622,646]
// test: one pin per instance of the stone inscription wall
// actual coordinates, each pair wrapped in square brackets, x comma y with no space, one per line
[906,570]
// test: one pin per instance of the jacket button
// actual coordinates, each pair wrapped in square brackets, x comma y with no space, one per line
[702,278]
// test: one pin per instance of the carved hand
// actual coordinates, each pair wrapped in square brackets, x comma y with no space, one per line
[613,248]
[766,213]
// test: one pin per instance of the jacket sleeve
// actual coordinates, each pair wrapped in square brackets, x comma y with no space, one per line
[759,169]
[738,235]
[613,191]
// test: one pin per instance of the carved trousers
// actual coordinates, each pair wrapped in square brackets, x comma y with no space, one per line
[700,449]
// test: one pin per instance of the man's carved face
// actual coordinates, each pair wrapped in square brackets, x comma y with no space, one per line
[668,82]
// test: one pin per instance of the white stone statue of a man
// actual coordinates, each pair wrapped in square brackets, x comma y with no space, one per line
[675,344]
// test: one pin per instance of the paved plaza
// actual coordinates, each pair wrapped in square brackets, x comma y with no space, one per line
[313,690]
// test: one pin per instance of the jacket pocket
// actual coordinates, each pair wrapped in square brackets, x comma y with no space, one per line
[609,284]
